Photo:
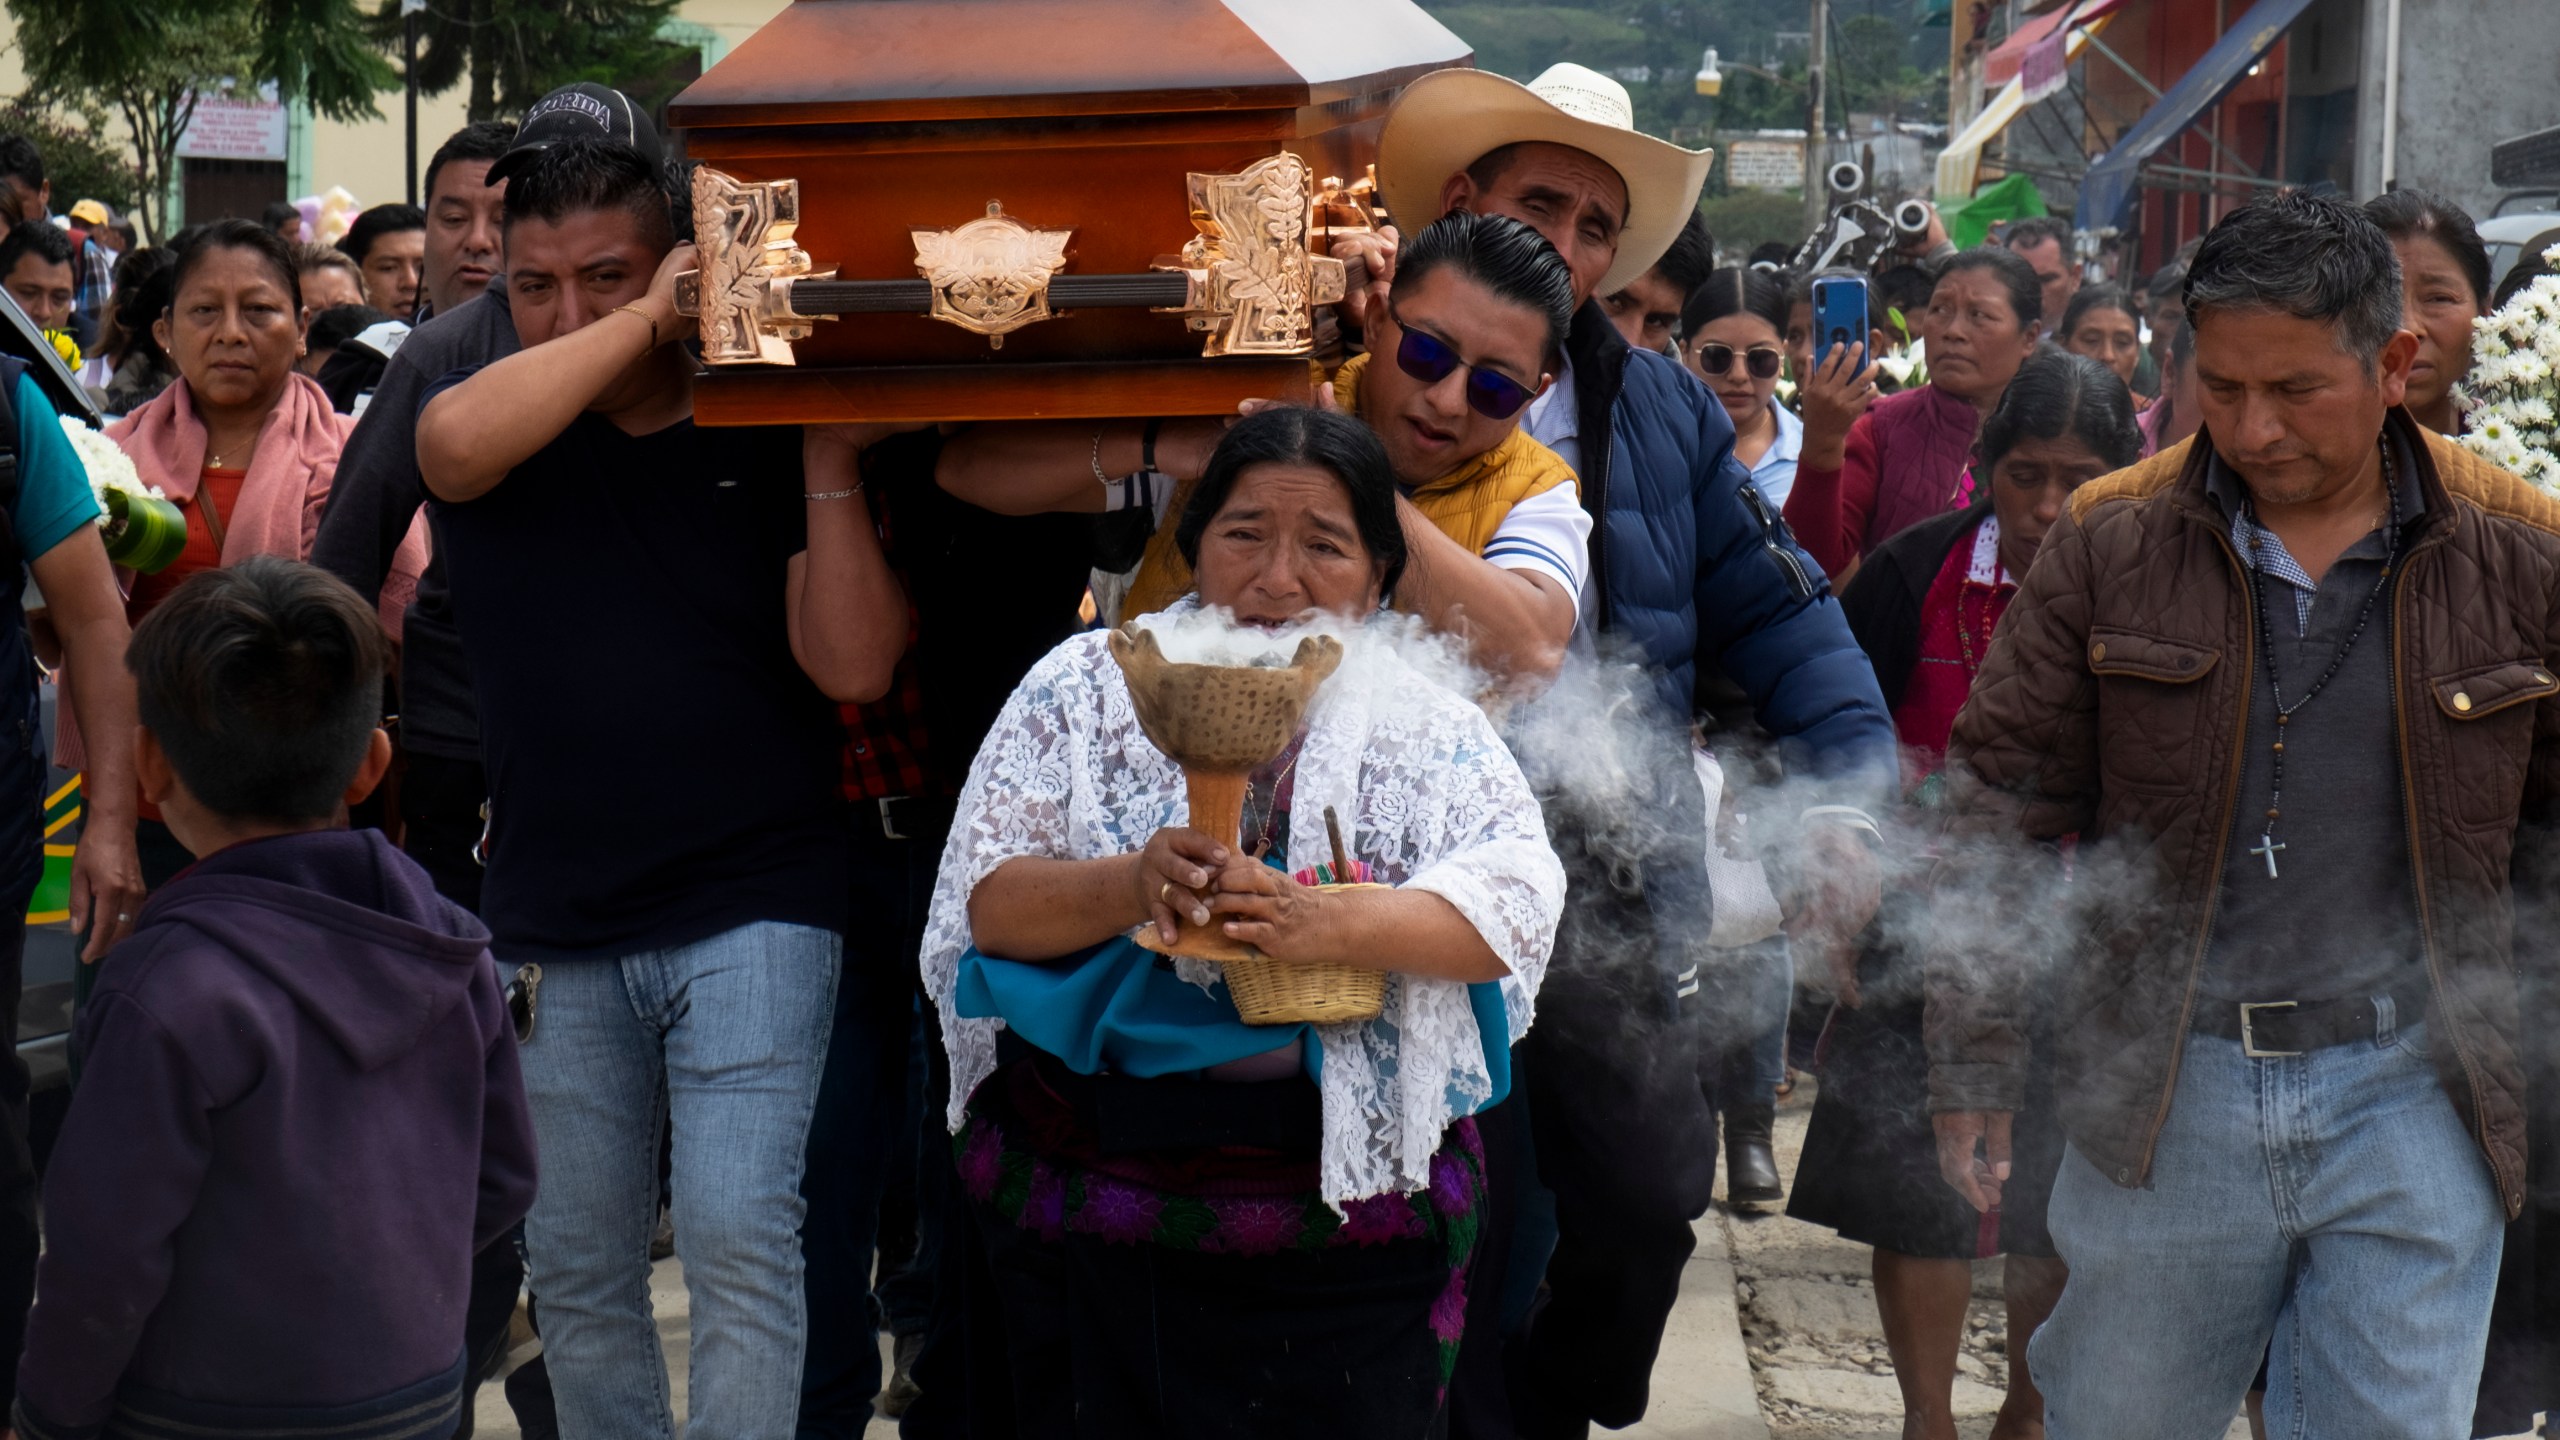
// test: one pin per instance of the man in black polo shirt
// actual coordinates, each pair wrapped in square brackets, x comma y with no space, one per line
[644,607]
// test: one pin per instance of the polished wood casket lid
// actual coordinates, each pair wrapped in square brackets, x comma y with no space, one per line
[835,61]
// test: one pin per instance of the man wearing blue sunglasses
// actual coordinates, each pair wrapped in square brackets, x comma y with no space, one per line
[1470,336]
[1690,571]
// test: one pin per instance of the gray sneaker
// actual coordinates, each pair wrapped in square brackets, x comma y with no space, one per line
[901,1390]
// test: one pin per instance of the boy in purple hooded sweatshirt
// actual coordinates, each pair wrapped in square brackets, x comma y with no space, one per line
[299,1115]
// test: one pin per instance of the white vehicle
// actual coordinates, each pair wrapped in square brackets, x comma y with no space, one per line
[2506,236]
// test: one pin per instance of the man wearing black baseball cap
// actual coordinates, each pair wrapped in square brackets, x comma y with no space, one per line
[584,111]
[372,505]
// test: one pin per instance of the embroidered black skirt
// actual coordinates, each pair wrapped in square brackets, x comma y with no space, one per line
[1188,1291]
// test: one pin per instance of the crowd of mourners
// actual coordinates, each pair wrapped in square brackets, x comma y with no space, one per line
[529,834]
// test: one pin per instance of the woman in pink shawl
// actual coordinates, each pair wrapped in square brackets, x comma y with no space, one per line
[243,445]
[1904,460]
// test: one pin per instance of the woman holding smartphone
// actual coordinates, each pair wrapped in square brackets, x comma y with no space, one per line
[1906,458]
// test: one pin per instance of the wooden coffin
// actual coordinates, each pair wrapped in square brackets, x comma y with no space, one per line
[1015,209]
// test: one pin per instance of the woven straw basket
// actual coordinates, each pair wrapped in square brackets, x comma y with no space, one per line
[1283,992]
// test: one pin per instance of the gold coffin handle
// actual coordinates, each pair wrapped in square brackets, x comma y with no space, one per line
[1255,284]
[741,295]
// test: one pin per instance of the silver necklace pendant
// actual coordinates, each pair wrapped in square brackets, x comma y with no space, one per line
[2266,849]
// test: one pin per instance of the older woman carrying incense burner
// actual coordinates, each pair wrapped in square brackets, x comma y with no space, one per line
[1199,1226]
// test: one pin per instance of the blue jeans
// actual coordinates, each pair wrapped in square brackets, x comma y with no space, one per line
[857,1135]
[1769,1005]
[732,1032]
[2326,1211]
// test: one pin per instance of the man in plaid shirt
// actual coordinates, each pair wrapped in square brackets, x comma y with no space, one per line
[92,272]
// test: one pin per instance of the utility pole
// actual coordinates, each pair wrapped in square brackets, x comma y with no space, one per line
[1816,184]
[409,12]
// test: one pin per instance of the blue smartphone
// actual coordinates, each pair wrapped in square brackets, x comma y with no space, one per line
[1839,315]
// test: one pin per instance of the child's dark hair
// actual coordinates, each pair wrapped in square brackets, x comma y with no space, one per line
[578,177]
[263,684]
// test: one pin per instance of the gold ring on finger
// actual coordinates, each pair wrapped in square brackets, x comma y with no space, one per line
[1165,891]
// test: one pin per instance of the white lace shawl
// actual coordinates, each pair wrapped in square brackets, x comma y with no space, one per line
[1432,799]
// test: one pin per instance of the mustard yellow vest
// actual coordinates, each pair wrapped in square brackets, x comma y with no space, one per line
[1468,504]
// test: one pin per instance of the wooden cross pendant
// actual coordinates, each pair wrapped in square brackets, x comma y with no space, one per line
[2266,849]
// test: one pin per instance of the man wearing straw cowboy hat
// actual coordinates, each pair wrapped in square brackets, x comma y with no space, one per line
[1689,568]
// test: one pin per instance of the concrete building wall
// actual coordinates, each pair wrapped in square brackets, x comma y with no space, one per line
[2472,73]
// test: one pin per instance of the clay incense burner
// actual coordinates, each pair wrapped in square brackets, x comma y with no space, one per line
[1220,723]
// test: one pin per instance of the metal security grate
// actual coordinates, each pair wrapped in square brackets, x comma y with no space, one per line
[2526,161]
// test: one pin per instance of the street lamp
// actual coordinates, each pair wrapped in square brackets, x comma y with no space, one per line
[1710,78]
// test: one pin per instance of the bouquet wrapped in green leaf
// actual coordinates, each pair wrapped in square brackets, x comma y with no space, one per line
[143,529]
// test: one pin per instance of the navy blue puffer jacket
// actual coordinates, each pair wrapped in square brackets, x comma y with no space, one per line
[1695,568]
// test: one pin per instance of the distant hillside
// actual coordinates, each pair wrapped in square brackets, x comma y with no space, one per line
[1883,57]
[1520,40]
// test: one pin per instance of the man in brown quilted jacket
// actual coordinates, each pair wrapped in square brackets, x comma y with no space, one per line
[2290,684]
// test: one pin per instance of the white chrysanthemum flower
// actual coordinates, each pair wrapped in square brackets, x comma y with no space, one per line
[2511,398]
[105,461]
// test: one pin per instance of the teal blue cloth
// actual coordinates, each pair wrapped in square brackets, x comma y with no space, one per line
[54,499]
[1116,1008]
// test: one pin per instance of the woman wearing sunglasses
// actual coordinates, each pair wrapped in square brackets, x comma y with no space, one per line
[1732,336]
[1468,337]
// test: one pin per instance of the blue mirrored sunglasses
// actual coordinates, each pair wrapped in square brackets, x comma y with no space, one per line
[1490,393]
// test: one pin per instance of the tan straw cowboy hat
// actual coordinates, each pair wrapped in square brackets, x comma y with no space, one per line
[1448,119]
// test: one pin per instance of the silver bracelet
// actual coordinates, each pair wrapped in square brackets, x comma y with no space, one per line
[831,494]
[1098,477]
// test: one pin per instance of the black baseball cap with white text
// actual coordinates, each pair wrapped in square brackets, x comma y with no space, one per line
[584,111]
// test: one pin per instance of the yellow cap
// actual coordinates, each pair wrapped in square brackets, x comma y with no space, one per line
[92,212]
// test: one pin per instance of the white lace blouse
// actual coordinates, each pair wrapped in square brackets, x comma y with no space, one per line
[1433,800]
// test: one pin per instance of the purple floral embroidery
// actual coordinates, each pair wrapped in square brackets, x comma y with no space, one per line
[1118,1211]
[1255,1227]
[1044,1209]
[1449,1312]
[1377,1220]
[981,1161]
[1450,1192]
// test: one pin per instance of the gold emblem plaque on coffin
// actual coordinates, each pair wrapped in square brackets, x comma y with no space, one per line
[1013,209]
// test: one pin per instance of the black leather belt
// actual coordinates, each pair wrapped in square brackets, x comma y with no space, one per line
[906,817]
[2273,1029]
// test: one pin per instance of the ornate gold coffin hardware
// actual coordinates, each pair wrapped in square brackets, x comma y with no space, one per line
[1254,285]
[1248,279]
[743,292]
[991,276]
